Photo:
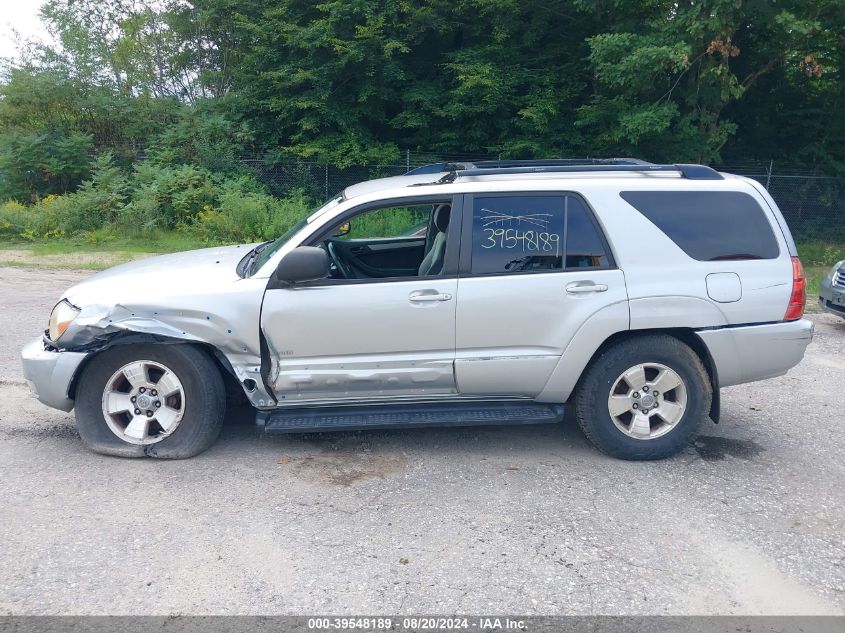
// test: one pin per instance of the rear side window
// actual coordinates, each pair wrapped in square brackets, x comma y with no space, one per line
[709,225]
[512,234]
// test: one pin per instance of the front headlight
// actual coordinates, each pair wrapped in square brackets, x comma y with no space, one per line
[61,317]
[836,267]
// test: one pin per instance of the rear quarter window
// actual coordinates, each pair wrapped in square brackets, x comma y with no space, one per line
[709,225]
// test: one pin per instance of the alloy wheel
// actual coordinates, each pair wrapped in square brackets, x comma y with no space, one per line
[647,401]
[143,402]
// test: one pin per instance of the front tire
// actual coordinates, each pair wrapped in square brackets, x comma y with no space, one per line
[643,398]
[165,401]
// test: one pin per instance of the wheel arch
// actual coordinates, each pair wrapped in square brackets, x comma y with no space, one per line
[582,354]
[227,372]
[686,336]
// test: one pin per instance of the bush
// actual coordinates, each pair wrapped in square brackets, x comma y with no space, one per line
[249,217]
[97,202]
[821,253]
[153,197]
[15,219]
[33,165]
[38,221]
[168,197]
[202,138]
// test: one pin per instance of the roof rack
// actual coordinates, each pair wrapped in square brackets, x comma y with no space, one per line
[569,165]
[557,162]
[437,168]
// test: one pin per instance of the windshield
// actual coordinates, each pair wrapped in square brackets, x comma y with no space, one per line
[266,253]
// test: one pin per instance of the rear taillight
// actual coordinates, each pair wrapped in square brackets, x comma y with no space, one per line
[798,299]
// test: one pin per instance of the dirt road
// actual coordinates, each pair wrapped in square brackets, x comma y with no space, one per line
[507,520]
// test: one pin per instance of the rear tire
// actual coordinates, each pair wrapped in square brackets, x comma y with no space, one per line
[190,418]
[651,427]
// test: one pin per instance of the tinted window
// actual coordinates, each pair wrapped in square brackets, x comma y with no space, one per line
[709,225]
[584,246]
[527,233]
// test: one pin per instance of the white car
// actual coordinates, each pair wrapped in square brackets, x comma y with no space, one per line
[628,291]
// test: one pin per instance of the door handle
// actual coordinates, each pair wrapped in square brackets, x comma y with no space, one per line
[578,288]
[421,297]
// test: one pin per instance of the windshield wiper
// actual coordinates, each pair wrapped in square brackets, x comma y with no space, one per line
[248,261]
[253,256]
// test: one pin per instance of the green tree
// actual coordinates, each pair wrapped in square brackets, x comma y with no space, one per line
[42,150]
[205,138]
[52,124]
[354,82]
[158,48]
[666,71]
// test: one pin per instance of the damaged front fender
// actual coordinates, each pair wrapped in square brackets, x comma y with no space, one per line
[96,325]
[227,325]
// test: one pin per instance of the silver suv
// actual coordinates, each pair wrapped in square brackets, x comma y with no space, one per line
[487,293]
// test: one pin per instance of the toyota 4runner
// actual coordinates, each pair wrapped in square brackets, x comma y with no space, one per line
[462,294]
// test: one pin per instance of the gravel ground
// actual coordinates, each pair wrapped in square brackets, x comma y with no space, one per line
[527,520]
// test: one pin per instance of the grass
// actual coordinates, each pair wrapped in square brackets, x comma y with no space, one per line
[818,258]
[153,242]
[98,254]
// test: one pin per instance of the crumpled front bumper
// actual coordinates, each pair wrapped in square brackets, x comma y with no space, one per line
[49,373]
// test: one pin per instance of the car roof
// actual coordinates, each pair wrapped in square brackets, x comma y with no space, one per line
[391,182]
[530,170]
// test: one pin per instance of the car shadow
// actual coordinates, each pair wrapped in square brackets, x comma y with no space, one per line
[512,439]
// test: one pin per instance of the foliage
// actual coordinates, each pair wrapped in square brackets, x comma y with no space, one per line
[203,138]
[168,197]
[349,82]
[97,201]
[818,258]
[249,217]
[159,48]
[194,86]
[152,198]
[36,164]
[821,253]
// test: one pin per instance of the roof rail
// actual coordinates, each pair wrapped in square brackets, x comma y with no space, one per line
[557,162]
[691,172]
[436,168]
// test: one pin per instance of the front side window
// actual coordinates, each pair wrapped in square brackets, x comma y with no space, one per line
[534,233]
[399,241]
[389,222]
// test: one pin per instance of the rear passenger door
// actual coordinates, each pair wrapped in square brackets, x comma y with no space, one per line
[534,267]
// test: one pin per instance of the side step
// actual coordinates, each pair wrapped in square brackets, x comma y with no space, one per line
[351,418]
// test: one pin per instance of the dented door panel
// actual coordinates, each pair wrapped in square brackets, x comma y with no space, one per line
[389,338]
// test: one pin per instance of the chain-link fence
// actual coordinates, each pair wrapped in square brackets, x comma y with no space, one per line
[813,203]
[320,181]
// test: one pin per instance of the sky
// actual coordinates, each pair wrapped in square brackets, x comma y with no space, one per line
[21,15]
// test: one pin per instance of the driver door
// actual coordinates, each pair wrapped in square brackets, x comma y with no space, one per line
[384,333]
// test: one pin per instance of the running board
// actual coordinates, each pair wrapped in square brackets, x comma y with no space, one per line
[352,418]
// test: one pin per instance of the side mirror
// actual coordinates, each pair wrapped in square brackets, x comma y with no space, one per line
[343,229]
[305,263]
